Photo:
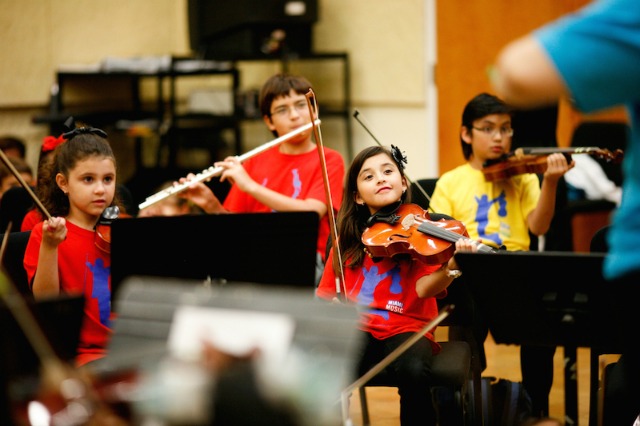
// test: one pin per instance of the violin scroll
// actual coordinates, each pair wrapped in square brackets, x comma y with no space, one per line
[615,157]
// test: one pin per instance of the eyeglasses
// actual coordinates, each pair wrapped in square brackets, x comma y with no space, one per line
[284,110]
[491,131]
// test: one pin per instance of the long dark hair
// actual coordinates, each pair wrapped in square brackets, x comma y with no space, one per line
[352,217]
[78,146]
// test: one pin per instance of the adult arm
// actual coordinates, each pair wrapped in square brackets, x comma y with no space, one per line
[525,77]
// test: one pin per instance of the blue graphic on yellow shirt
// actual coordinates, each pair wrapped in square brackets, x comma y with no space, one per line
[372,278]
[101,290]
[482,215]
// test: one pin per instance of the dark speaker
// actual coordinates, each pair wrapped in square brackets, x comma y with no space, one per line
[260,40]
[245,29]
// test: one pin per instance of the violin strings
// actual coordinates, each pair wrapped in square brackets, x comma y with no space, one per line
[436,231]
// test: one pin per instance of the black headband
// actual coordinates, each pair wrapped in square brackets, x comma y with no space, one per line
[70,124]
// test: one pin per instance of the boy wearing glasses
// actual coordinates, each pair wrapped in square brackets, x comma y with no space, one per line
[287,177]
[501,212]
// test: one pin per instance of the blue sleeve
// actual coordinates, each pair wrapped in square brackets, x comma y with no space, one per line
[597,52]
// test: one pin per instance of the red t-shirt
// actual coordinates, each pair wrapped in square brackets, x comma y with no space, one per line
[83,268]
[296,176]
[385,294]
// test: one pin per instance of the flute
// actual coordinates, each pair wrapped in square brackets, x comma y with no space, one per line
[210,172]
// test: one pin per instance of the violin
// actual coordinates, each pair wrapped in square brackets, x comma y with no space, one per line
[103,228]
[534,160]
[409,230]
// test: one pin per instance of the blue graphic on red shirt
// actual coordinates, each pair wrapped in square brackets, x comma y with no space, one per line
[373,278]
[101,290]
[482,215]
[297,184]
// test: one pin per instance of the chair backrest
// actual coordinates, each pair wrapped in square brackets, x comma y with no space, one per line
[417,197]
[14,205]
[13,260]
[606,135]
[535,127]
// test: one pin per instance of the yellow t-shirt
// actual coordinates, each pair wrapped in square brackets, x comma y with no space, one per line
[492,211]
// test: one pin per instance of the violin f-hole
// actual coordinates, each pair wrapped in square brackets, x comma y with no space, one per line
[400,236]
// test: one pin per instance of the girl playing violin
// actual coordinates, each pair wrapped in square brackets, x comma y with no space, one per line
[62,255]
[398,295]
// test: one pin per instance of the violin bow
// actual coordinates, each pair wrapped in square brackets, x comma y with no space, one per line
[313,112]
[356,115]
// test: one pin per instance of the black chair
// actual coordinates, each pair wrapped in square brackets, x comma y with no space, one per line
[14,205]
[419,197]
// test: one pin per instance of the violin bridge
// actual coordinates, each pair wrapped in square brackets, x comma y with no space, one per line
[408,221]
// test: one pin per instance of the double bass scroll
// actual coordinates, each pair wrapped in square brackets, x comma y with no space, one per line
[211,172]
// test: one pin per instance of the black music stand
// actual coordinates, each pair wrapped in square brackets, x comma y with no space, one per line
[541,298]
[269,248]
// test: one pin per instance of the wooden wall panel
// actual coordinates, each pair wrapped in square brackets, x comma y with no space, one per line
[470,34]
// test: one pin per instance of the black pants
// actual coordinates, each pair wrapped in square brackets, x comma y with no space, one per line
[536,365]
[411,373]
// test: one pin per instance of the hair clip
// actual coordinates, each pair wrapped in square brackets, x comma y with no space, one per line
[399,156]
[70,124]
[50,143]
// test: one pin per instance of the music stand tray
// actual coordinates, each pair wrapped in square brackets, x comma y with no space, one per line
[269,248]
[538,298]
